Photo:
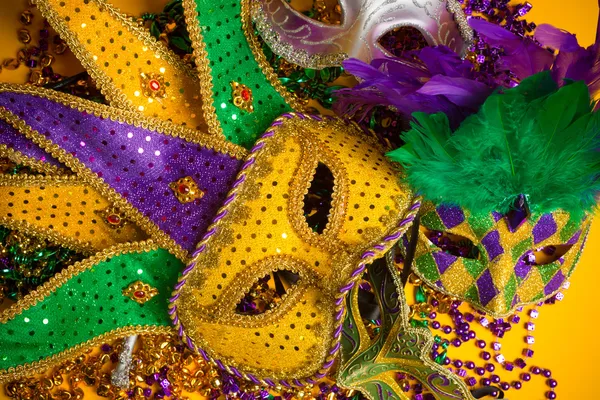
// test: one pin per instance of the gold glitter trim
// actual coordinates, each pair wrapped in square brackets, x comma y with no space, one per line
[41,366]
[90,178]
[42,291]
[262,61]
[116,97]
[309,161]
[203,67]
[132,118]
[36,165]
[48,234]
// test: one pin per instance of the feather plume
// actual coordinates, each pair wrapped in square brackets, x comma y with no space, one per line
[522,56]
[433,79]
[536,139]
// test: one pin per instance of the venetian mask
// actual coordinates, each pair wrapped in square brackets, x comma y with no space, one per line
[314,44]
[497,262]
[267,229]
[373,361]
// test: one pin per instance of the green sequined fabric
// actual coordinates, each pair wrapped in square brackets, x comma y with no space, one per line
[88,305]
[231,60]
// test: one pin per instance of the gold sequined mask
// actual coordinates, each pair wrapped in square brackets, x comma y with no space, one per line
[497,262]
[264,293]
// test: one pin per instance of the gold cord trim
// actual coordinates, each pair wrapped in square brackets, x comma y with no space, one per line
[38,166]
[262,61]
[37,367]
[42,291]
[107,87]
[132,118]
[90,178]
[203,68]
[48,234]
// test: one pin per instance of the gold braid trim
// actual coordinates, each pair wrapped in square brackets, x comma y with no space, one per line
[262,61]
[38,367]
[62,277]
[106,84]
[216,143]
[203,68]
[35,183]
[88,177]
[48,234]
[38,166]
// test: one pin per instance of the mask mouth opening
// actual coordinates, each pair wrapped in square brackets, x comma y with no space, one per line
[318,199]
[399,41]
[545,255]
[267,292]
[456,245]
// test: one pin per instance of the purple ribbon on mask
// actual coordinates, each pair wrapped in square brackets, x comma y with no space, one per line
[137,163]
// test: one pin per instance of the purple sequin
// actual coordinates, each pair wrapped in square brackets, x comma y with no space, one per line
[575,238]
[443,260]
[451,216]
[522,269]
[492,245]
[554,283]
[485,285]
[138,163]
[545,228]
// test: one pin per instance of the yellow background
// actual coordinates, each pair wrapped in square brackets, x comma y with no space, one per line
[566,333]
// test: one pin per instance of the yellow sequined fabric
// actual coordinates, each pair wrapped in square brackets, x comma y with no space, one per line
[133,70]
[62,210]
[265,230]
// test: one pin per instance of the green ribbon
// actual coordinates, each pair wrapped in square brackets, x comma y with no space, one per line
[88,305]
[231,60]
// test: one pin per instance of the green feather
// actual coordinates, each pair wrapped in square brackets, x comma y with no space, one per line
[535,139]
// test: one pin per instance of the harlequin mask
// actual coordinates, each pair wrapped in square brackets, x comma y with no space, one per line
[265,228]
[508,194]
[497,262]
[314,44]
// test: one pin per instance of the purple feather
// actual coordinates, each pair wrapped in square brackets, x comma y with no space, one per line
[573,61]
[433,79]
[522,56]
[461,91]
[555,38]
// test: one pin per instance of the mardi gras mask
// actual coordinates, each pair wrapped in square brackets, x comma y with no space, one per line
[509,192]
[263,230]
[497,262]
[371,362]
[313,44]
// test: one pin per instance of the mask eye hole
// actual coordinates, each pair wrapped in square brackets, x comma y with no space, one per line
[546,255]
[267,292]
[398,41]
[317,201]
[450,243]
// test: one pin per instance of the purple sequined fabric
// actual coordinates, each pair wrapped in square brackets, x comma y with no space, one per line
[13,140]
[137,163]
